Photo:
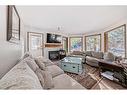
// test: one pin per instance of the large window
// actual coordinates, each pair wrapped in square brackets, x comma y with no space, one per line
[115,41]
[65,44]
[93,42]
[76,44]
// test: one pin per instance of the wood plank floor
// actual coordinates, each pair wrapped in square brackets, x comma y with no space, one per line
[102,83]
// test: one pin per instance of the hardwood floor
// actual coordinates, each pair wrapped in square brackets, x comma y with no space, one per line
[102,83]
[105,84]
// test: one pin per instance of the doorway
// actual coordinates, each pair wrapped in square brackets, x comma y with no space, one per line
[35,43]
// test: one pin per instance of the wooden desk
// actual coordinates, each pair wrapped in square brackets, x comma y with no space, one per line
[114,67]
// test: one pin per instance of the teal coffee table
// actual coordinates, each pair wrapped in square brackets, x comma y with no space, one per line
[72,64]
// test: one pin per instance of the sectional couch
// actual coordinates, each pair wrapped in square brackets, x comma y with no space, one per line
[91,57]
[37,73]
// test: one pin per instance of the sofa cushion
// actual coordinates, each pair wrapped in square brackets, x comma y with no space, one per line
[54,70]
[45,79]
[20,77]
[27,54]
[109,56]
[64,81]
[40,76]
[46,61]
[88,53]
[92,59]
[98,55]
[31,63]
[40,63]
[48,80]
[77,53]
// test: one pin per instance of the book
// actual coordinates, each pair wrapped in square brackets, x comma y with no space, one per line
[108,75]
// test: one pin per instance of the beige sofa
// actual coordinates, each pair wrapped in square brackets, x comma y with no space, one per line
[24,76]
[92,57]
[80,54]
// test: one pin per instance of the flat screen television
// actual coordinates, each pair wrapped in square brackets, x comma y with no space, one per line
[53,38]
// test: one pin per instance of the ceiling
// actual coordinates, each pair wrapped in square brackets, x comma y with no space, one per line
[71,19]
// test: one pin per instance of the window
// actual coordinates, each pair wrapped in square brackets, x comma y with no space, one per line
[93,42]
[76,44]
[115,41]
[65,44]
[35,42]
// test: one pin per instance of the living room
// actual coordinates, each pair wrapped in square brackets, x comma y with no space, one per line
[77,42]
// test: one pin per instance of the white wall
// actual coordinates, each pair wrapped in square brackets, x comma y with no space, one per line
[44,32]
[124,21]
[9,52]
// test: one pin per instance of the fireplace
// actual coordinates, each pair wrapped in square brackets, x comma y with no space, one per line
[54,55]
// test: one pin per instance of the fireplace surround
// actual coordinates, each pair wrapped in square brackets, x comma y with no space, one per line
[57,55]
[53,55]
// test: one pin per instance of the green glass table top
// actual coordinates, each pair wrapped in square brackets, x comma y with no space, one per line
[72,60]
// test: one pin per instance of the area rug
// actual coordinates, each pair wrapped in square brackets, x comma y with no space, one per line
[88,78]
[87,81]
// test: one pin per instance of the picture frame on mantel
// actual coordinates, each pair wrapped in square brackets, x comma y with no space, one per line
[13,24]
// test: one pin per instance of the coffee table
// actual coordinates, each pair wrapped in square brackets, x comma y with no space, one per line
[72,64]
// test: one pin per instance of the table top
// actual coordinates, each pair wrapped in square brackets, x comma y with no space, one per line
[114,63]
[71,59]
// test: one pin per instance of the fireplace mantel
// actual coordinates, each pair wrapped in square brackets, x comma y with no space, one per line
[52,45]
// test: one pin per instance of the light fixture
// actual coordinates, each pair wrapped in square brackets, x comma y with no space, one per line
[58,29]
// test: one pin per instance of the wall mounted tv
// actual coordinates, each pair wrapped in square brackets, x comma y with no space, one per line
[53,38]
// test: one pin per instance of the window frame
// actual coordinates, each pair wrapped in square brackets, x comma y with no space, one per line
[105,38]
[66,42]
[94,35]
[75,37]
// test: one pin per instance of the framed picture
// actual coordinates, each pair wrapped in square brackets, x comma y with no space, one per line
[13,24]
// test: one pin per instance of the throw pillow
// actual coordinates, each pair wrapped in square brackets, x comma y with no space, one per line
[98,55]
[77,53]
[40,76]
[109,56]
[31,63]
[88,53]
[40,63]
[27,54]
[48,81]
[46,61]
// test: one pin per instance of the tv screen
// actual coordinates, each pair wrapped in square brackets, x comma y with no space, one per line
[53,38]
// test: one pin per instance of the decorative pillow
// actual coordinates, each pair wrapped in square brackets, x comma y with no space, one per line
[46,61]
[77,53]
[40,63]
[20,77]
[48,81]
[98,55]
[40,76]
[54,70]
[88,53]
[109,56]
[31,63]
[27,54]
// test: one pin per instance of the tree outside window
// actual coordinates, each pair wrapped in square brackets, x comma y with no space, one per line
[93,42]
[76,44]
[115,41]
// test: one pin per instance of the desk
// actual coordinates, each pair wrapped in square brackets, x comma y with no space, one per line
[113,67]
